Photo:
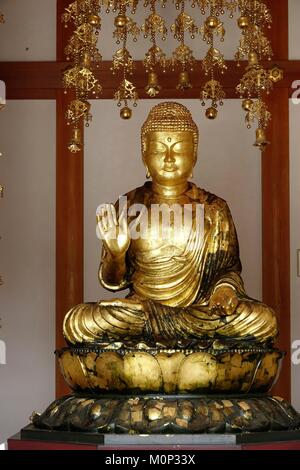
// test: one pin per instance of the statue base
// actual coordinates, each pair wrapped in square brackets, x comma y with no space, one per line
[155,414]
[93,371]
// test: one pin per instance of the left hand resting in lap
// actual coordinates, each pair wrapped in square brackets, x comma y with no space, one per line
[223,301]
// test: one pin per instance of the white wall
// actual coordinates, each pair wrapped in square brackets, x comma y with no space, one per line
[228,165]
[294,53]
[29,31]
[27,254]
[294,30]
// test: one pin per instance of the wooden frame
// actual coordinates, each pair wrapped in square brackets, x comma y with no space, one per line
[69,211]
[42,80]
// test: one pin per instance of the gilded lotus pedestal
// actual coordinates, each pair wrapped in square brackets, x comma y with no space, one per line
[95,371]
[159,391]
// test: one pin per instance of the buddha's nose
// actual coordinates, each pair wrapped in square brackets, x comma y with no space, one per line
[169,157]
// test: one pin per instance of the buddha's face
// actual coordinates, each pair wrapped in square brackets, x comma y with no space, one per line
[169,156]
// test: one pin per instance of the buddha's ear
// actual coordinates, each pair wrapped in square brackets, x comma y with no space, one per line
[195,154]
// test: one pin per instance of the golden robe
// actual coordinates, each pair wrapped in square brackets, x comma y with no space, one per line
[170,284]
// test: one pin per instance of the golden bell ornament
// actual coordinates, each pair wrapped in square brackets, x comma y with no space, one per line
[152,79]
[243,22]
[211,22]
[261,139]
[211,113]
[246,104]
[184,81]
[76,135]
[75,144]
[86,60]
[153,88]
[120,21]
[94,20]
[252,58]
[126,113]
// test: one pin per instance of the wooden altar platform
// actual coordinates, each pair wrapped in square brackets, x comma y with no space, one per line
[30,439]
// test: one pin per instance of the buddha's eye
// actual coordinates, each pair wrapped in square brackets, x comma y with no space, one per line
[158,150]
[180,147]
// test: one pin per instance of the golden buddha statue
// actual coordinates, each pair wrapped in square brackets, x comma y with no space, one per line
[186,347]
[182,288]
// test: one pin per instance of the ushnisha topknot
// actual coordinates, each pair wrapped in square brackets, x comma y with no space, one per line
[169,116]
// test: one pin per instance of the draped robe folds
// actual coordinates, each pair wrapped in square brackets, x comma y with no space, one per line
[170,286]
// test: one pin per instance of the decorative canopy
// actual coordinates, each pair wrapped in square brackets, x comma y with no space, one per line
[206,23]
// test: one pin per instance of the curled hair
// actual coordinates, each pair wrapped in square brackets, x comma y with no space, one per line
[170,116]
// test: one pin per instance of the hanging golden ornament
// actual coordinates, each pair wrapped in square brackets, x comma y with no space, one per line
[246,104]
[255,81]
[154,23]
[213,91]
[115,5]
[120,21]
[78,109]
[252,58]
[125,26]
[183,54]
[212,26]
[75,144]
[258,111]
[125,92]
[83,52]
[86,60]
[261,140]
[257,11]
[184,23]
[94,20]
[153,88]
[243,22]
[211,113]
[122,59]
[154,57]
[253,17]
[213,60]
[212,22]
[126,113]
[184,81]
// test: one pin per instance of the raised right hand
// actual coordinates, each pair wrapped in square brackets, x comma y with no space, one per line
[114,233]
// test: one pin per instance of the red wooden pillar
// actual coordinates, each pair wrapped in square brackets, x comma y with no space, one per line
[276,201]
[69,210]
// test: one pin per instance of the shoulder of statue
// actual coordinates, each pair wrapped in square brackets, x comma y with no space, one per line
[137,195]
[208,199]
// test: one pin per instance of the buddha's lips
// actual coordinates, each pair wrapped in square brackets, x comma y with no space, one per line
[170,167]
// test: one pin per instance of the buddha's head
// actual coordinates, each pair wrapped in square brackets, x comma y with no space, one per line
[169,143]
